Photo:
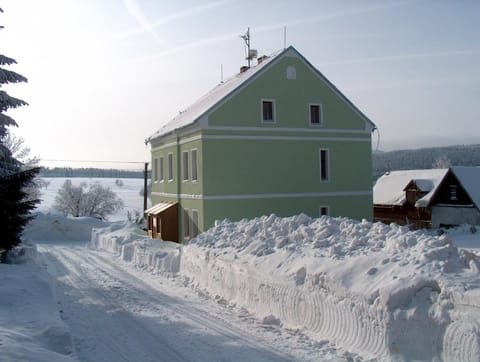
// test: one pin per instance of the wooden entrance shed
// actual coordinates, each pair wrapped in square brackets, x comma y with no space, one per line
[162,221]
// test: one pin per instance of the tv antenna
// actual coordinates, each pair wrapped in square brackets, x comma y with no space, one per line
[251,53]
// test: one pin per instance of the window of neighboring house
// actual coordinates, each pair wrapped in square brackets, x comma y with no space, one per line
[315,114]
[194,223]
[268,111]
[155,169]
[161,174]
[324,210]
[185,165]
[186,224]
[324,167]
[453,193]
[194,165]
[170,167]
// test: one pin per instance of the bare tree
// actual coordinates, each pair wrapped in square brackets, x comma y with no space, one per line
[442,162]
[22,153]
[93,200]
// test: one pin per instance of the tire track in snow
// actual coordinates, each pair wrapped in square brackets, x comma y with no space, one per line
[123,291]
[113,333]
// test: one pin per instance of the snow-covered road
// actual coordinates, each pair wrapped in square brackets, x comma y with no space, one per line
[117,313]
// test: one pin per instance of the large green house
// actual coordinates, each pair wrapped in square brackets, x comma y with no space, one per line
[276,138]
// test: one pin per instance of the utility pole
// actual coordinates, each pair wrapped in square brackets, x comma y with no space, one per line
[145,184]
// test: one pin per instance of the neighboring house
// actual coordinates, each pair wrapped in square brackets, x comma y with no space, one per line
[428,198]
[276,138]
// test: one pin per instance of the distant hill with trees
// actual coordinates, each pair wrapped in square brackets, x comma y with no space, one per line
[425,158]
[89,172]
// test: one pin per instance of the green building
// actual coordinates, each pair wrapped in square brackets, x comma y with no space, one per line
[276,138]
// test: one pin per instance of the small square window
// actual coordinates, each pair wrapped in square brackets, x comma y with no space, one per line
[315,114]
[268,111]
[323,210]
[453,193]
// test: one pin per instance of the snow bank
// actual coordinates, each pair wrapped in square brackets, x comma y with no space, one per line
[378,290]
[30,326]
[53,227]
[131,244]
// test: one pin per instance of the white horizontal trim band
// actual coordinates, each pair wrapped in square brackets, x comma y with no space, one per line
[285,138]
[181,142]
[263,196]
[284,129]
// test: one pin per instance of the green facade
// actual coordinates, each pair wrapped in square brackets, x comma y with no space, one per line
[248,168]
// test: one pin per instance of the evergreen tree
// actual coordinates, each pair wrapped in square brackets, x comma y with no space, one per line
[15,178]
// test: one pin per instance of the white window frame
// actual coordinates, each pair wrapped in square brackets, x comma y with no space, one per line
[320,114]
[161,165]
[274,112]
[327,178]
[170,166]
[195,230]
[155,170]
[194,175]
[186,224]
[324,207]
[185,166]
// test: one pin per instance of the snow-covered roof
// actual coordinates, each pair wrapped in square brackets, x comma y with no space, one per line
[209,100]
[390,188]
[469,178]
[226,88]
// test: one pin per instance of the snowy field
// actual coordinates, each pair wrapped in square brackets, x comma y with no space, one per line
[268,289]
[129,193]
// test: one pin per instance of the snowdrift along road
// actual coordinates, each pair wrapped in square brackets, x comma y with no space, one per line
[378,290]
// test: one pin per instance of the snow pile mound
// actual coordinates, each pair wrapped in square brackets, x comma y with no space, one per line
[130,243]
[379,290]
[54,227]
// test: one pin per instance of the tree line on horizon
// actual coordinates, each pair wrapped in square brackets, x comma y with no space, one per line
[89,172]
[425,158]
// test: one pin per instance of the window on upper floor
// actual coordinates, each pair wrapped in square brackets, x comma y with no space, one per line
[324,165]
[155,170]
[268,110]
[194,165]
[160,170]
[170,167]
[185,165]
[316,114]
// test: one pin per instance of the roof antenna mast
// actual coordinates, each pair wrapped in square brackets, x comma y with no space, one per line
[251,53]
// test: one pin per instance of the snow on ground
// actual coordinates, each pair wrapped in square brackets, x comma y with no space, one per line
[379,291]
[265,289]
[30,324]
[129,193]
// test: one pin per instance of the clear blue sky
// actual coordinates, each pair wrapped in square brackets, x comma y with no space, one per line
[104,75]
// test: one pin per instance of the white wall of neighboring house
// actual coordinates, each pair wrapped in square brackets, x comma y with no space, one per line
[454,215]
